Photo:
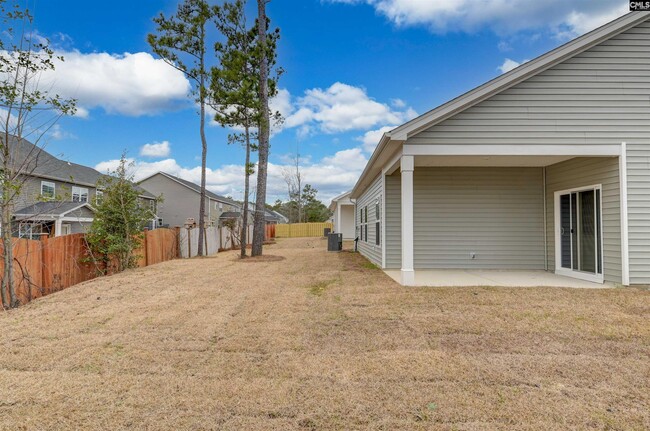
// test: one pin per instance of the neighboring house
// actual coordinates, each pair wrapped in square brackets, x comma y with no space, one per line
[343,215]
[181,198]
[57,196]
[270,216]
[275,217]
[546,167]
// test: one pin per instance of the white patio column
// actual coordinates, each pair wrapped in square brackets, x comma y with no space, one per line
[408,273]
[337,222]
[58,226]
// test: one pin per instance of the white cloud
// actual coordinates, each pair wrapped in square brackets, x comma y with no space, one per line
[371,138]
[342,107]
[331,175]
[156,149]
[509,64]
[565,19]
[338,108]
[398,103]
[129,84]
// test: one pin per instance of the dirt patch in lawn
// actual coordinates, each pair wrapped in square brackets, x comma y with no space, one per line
[321,341]
[263,258]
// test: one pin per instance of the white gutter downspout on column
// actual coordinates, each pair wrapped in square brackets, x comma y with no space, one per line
[625,238]
[545,221]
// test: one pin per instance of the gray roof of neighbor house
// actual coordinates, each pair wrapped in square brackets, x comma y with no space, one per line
[230,214]
[195,187]
[269,215]
[279,217]
[51,208]
[35,161]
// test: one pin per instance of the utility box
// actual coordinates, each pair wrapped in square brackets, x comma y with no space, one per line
[335,242]
[326,231]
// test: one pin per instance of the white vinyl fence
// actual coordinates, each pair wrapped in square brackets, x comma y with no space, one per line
[216,238]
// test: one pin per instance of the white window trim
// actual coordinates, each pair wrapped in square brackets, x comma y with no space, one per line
[595,278]
[378,215]
[49,184]
[80,191]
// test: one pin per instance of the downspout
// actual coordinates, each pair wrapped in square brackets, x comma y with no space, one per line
[356,237]
[545,221]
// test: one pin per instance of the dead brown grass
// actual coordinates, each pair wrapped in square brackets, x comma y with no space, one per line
[321,341]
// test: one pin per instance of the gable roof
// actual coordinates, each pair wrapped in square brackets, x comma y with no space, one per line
[37,162]
[194,187]
[340,197]
[269,215]
[52,209]
[498,85]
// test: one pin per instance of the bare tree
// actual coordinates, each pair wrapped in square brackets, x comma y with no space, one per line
[27,111]
[294,179]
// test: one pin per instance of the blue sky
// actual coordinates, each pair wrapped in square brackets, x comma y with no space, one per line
[354,68]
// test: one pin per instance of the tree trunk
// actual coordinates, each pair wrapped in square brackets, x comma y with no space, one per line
[204,149]
[244,233]
[9,299]
[259,229]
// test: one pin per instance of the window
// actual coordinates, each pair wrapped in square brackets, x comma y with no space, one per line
[99,197]
[152,205]
[30,230]
[79,194]
[377,222]
[47,189]
[361,224]
[365,224]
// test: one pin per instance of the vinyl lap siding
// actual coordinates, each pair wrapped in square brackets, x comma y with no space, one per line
[394,221]
[638,207]
[496,213]
[598,97]
[367,247]
[589,171]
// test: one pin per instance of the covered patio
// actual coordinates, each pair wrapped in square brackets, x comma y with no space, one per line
[496,215]
[495,278]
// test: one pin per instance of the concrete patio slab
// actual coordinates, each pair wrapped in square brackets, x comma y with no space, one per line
[502,278]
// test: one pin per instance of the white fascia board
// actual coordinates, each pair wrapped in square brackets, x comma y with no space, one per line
[393,164]
[513,150]
[383,142]
[77,219]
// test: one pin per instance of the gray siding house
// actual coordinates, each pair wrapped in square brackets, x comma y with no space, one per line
[181,198]
[546,167]
[56,196]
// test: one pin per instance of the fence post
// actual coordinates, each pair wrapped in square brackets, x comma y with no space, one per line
[189,243]
[144,248]
[177,230]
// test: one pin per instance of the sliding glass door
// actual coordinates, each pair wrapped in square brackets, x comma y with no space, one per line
[579,233]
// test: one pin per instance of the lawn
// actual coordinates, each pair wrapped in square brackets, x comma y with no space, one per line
[308,340]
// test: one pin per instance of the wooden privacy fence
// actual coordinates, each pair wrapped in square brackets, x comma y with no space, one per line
[297,230]
[215,240]
[270,232]
[44,267]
